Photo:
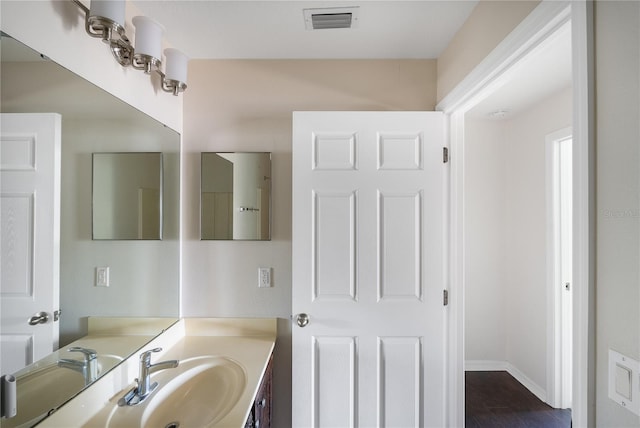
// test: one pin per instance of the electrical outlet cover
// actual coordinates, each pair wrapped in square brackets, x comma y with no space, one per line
[264,277]
[102,276]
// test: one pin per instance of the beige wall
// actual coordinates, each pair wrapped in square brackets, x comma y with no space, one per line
[247,106]
[489,23]
[617,44]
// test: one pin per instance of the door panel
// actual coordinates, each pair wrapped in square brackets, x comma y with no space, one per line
[30,235]
[334,404]
[368,269]
[334,246]
[400,233]
[399,381]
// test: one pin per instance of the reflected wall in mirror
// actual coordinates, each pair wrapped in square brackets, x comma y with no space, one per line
[127,196]
[235,198]
[144,275]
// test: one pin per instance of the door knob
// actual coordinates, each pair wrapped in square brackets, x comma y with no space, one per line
[39,318]
[302,320]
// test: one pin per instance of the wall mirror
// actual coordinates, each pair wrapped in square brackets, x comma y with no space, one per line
[127,196]
[144,275]
[235,196]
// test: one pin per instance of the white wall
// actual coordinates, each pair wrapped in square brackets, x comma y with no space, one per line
[617,35]
[525,228]
[506,290]
[485,303]
[56,29]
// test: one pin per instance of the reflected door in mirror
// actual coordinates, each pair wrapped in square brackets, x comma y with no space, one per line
[30,226]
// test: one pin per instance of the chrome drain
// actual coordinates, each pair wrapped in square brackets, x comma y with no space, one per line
[175,424]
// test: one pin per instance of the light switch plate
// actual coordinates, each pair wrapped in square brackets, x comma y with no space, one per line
[102,276]
[624,373]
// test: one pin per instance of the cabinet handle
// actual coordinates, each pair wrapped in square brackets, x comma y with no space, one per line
[263,403]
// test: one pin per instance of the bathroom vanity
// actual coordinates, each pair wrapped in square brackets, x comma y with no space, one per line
[222,379]
[260,414]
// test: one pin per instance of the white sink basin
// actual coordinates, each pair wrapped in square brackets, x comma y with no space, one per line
[46,388]
[198,393]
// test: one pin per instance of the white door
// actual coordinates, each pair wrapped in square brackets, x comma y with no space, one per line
[368,269]
[30,236]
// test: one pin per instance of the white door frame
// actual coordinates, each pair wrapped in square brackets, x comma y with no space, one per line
[559,324]
[541,23]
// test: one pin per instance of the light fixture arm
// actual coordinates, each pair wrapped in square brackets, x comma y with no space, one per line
[111,33]
[172,86]
[81,6]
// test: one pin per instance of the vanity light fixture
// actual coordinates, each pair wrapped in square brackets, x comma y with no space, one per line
[105,20]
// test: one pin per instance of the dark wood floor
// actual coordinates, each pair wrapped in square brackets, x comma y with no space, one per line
[496,399]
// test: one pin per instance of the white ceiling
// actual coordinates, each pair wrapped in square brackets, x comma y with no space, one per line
[276,29]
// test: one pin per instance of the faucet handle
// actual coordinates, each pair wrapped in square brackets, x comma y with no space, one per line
[89,354]
[146,355]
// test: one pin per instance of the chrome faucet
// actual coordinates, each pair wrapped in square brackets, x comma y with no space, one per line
[88,367]
[145,387]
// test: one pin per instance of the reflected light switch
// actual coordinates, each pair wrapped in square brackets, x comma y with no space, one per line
[623,381]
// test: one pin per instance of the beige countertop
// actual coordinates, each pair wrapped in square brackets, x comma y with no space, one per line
[247,341]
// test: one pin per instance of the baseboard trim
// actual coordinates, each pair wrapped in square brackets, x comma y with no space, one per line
[493,366]
[485,366]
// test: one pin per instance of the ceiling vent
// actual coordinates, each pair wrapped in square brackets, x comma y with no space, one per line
[328,18]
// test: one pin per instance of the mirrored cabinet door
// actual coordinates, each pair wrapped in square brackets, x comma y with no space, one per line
[127,196]
[235,196]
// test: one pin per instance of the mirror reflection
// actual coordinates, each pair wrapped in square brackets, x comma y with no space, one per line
[127,196]
[235,199]
[143,276]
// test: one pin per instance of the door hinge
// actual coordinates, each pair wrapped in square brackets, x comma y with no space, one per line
[445,297]
[445,154]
